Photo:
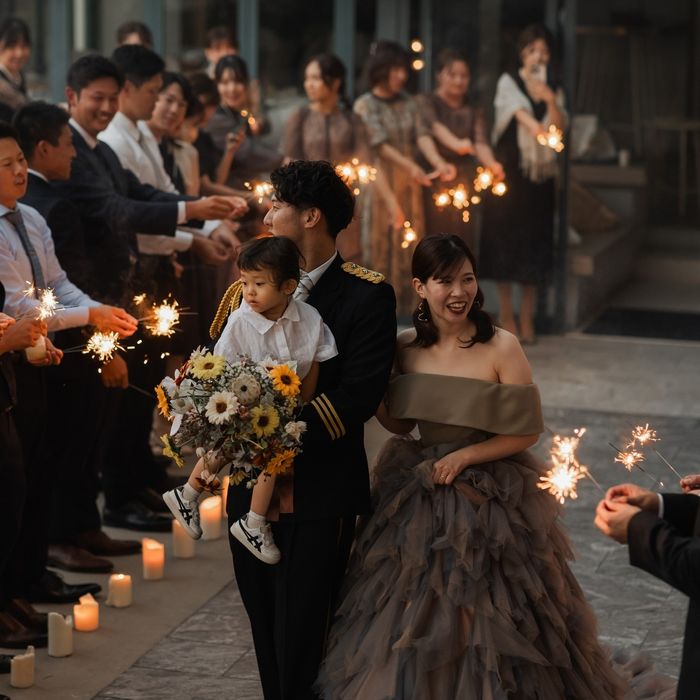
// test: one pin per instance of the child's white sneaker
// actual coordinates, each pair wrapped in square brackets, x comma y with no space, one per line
[184,511]
[257,540]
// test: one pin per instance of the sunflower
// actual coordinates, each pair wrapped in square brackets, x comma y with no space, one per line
[281,463]
[264,420]
[285,380]
[170,450]
[162,402]
[222,405]
[207,366]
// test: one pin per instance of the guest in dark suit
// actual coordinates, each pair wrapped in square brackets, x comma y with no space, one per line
[291,604]
[74,388]
[662,532]
[113,207]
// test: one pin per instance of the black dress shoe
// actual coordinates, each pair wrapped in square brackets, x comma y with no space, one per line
[135,516]
[14,635]
[98,542]
[32,619]
[152,500]
[5,664]
[72,558]
[53,589]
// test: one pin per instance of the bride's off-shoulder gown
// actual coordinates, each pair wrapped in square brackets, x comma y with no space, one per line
[463,591]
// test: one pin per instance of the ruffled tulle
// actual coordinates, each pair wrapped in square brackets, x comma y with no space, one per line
[463,591]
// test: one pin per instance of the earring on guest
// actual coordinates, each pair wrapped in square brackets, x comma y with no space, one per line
[422,312]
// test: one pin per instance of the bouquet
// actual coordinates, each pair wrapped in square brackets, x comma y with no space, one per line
[240,413]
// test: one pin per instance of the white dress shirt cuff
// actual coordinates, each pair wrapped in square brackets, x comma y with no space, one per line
[661,505]
[71,317]
[181,212]
[207,228]
[164,245]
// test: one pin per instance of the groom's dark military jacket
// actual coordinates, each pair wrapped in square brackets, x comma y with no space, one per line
[330,475]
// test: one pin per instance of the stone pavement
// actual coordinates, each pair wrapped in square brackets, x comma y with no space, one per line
[606,385]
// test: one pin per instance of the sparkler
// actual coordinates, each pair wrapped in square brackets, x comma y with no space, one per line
[260,189]
[102,346]
[249,118]
[163,318]
[483,179]
[562,479]
[553,138]
[631,459]
[459,196]
[409,235]
[499,189]
[48,303]
[645,434]
[355,173]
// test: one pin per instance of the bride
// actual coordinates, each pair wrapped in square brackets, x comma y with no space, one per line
[459,586]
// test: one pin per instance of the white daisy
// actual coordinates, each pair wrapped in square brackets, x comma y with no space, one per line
[246,388]
[169,386]
[220,407]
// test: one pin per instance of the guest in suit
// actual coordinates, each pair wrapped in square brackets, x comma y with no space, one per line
[662,532]
[14,337]
[114,206]
[290,605]
[27,253]
[77,541]
[15,48]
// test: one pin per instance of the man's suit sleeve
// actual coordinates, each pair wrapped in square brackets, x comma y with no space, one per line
[366,363]
[69,242]
[656,546]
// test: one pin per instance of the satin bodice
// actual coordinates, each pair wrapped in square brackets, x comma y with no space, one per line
[453,408]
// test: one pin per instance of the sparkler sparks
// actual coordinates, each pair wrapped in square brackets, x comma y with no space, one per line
[483,179]
[260,189]
[163,319]
[645,434]
[355,174]
[102,346]
[409,235]
[630,459]
[553,138]
[48,304]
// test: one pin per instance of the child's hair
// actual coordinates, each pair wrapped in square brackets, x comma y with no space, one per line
[277,254]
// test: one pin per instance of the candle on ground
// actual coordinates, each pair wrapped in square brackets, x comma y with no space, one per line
[210,518]
[86,614]
[153,553]
[22,669]
[60,635]
[120,591]
[183,544]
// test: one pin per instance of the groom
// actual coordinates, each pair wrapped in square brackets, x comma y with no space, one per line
[291,604]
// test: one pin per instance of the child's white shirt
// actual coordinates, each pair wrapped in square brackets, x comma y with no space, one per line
[298,335]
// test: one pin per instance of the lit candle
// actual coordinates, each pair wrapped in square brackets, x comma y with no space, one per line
[210,518]
[86,614]
[120,595]
[22,669]
[60,635]
[183,544]
[38,350]
[153,559]
[224,496]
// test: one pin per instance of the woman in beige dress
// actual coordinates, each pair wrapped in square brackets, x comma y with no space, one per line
[398,135]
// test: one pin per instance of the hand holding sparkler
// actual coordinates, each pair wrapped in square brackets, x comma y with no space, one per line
[112,318]
[22,334]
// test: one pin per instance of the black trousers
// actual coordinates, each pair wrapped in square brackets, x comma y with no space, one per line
[27,560]
[127,460]
[291,604]
[76,398]
[12,497]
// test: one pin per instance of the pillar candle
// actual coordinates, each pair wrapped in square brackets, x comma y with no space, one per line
[60,635]
[38,350]
[22,669]
[183,544]
[153,559]
[224,496]
[210,518]
[86,614]
[120,593]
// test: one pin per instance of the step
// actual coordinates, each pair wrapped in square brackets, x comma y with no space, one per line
[669,296]
[680,239]
[679,267]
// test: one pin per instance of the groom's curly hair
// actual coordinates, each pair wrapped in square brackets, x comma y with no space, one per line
[315,183]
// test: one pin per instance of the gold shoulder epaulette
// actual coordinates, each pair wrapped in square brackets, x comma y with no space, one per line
[362,272]
[229,302]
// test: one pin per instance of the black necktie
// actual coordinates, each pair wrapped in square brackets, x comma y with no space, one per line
[15,218]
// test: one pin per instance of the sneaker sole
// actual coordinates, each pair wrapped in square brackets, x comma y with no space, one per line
[238,533]
[173,506]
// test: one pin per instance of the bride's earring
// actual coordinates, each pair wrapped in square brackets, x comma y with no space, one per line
[423,312]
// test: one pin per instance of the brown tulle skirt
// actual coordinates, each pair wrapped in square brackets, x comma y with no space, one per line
[463,591]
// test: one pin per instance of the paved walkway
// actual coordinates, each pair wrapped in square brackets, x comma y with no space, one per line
[606,385]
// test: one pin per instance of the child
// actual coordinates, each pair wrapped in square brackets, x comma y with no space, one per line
[268,324]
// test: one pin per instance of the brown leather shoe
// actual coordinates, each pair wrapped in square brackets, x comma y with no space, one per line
[14,635]
[100,543]
[23,611]
[72,558]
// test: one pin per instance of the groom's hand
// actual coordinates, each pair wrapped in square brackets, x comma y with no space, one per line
[633,495]
[612,519]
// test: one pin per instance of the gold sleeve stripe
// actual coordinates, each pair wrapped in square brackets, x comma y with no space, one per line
[325,417]
[334,413]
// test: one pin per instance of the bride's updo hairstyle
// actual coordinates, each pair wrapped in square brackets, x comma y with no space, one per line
[437,257]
